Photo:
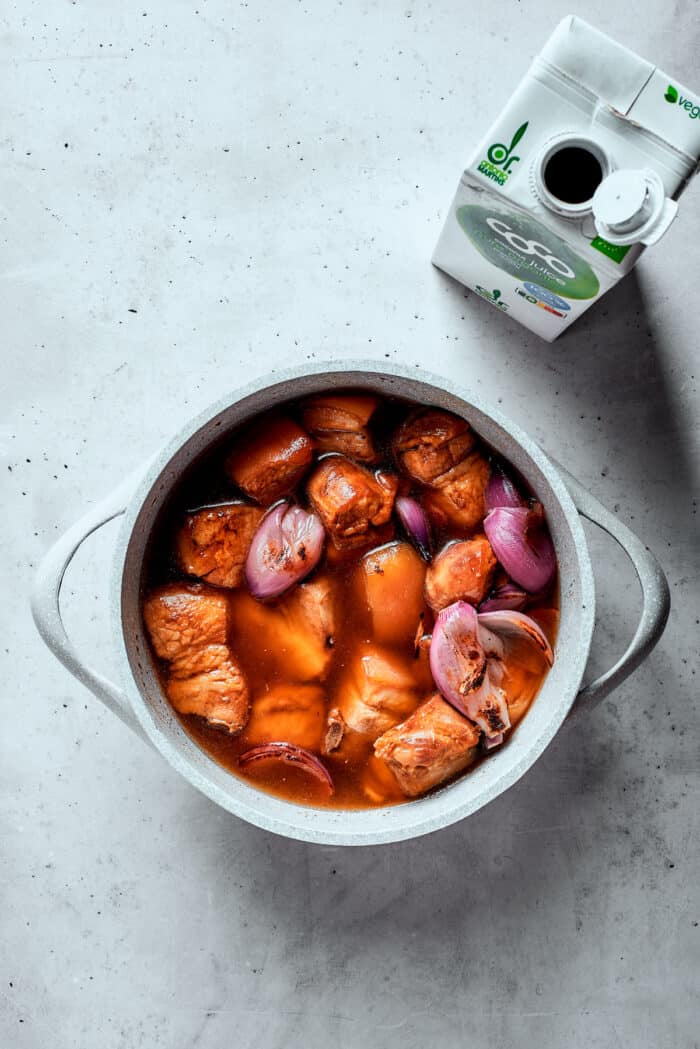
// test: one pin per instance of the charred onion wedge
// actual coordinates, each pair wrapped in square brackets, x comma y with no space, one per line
[293,755]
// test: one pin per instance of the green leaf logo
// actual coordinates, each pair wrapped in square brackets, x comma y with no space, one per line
[518,135]
[671,94]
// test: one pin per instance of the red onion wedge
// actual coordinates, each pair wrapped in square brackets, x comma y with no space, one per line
[415,520]
[501,491]
[460,671]
[506,596]
[287,545]
[293,755]
[520,540]
[469,653]
[503,635]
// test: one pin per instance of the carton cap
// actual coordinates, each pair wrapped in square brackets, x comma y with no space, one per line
[630,207]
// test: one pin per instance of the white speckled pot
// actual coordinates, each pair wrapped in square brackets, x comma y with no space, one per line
[142,705]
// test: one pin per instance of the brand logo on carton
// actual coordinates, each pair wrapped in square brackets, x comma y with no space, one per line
[692,108]
[494,297]
[500,158]
[528,251]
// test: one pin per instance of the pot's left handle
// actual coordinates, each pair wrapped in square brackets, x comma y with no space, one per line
[46,594]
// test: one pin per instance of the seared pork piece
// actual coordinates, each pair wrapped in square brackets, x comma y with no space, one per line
[457,497]
[349,499]
[183,618]
[296,633]
[188,628]
[377,691]
[430,442]
[351,547]
[195,661]
[317,604]
[270,459]
[288,713]
[339,423]
[213,543]
[431,746]
[391,586]
[219,695]
[462,571]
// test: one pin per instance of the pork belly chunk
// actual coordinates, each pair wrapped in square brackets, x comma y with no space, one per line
[431,746]
[340,423]
[288,713]
[376,691]
[390,585]
[219,695]
[296,632]
[349,499]
[270,459]
[213,543]
[316,601]
[462,571]
[182,618]
[457,497]
[430,442]
[188,628]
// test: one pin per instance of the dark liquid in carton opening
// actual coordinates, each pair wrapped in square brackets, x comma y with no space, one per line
[572,175]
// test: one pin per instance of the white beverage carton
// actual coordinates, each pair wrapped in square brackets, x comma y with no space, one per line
[579,173]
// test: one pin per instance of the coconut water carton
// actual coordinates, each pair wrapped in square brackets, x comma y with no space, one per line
[580,172]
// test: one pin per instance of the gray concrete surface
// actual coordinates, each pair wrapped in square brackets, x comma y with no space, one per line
[193,193]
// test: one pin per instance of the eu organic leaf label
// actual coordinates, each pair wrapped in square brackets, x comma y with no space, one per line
[525,249]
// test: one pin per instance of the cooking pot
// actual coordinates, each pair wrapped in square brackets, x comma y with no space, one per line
[140,702]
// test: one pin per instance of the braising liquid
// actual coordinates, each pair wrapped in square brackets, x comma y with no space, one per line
[361,780]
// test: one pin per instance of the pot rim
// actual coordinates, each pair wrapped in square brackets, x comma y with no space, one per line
[288,819]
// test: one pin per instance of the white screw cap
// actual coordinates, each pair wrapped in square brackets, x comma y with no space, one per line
[630,206]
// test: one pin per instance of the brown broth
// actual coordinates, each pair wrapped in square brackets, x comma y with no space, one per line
[360,779]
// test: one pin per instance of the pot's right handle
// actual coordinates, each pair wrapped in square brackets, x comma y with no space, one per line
[656,599]
[46,593]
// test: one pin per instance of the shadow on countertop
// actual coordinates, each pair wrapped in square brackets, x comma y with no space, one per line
[616,366]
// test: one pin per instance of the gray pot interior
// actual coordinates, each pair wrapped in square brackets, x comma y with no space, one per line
[421,816]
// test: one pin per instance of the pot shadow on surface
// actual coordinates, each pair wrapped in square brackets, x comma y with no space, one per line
[613,381]
[452,903]
[618,426]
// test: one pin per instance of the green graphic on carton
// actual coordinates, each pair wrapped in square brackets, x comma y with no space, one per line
[494,297]
[616,252]
[500,158]
[522,247]
[691,108]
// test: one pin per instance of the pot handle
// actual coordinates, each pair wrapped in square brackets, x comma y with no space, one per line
[46,592]
[656,598]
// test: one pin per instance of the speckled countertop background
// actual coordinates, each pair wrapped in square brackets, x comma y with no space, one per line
[196,192]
